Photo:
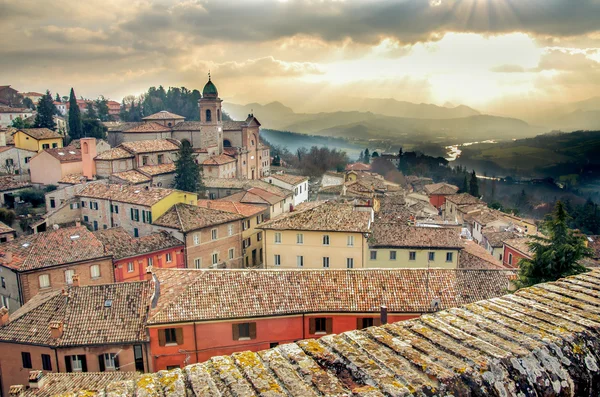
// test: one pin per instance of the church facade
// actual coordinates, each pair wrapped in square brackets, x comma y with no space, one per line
[225,149]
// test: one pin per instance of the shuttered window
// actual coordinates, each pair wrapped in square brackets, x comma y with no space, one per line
[170,336]
[365,322]
[320,325]
[244,331]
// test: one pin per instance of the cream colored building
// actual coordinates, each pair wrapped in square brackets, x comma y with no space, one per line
[318,235]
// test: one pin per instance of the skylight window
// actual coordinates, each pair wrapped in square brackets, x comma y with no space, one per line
[75,237]
[71,152]
[108,303]
[61,154]
[26,245]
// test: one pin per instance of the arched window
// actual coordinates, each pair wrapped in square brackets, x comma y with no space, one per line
[218,115]
[226,143]
[208,115]
[85,148]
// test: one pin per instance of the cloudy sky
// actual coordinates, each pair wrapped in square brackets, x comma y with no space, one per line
[496,55]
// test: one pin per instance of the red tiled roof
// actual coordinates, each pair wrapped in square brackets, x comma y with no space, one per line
[289,179]
[440,188]
[132,176]
[11,183]
[231,206]
[186,217]
[146,196]
[358,167]
[65,155]
[148,127]
[39,133]
[474,256]
[114,154]
[163,115]
[150,146]
[158,169]
[218,160]
[463,199]
[396,235]
[122,245]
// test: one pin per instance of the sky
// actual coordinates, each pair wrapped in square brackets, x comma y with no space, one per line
[500,56]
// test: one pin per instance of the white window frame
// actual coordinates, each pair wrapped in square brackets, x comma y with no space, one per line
[69,276]
[76,364]
[451,255]
[109,361]
[168,257]
[326,239]
[215,258]
[95,269]
[198,263]
[300,261]
[230,229]
[325,262]
[196,238]
[214,234]
[4,301]
[350,242]
[413,254]
[431,256]
[277,260]
[130,267]
[277,238]
[349,263]
[150,262]
[231,253]
[44,280]
[299,238]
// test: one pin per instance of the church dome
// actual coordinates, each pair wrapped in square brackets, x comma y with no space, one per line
[210,90]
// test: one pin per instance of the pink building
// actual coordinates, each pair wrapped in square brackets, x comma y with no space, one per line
[51,165]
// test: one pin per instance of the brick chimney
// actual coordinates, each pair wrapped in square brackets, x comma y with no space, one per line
[148,275]
[16,391]
[76,280]
[4,318]
[383,315]
[36,379]
[88,152]
[56,329]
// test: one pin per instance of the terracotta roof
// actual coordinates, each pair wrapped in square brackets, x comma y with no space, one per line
[72,179]
[322,216]
[65,155]
[163,115]
[146,196]
[114,154]
[40,133]
[358,167]
[218,160]
[55,384]
[474,256]
[245,210]
[188,126]
[186,217]
[147,127]
[132,176]
[463,199]
[7,148]
[539,341]
[4,228]
[120,244]
[52,248]
[11,183]
[151,146]
[496,239]
[117,126]
[7,109]
[76,143]
[244,184]
[195,295]
[93,314]
[233,125]
[158,169]
[520,244]
[440,188]
[395,235]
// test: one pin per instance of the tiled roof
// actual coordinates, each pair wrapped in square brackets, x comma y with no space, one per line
[440,188]
[358,167]
[146,196]
[245,210]
[463,199]
[65,155]
[488,216]
[163,115]
[322,216]
[4,228]
[93,314]
[218,160]
[395,235]
[520,244]
[114,154]
[132,176]
[151,146]
[539,341]
[158,169]
[233,125]
[6,109]
[496,239]
[94,383]
[72,179]
[186,217]
[195,295]
[188,126]
[51,248]
[76,143]
[40,133]
[244,184]
[474,256]
[148,127]
[120,244]
[289,179]
[11,183]
[117,126]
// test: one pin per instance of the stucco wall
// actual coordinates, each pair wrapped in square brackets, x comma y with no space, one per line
[403,258]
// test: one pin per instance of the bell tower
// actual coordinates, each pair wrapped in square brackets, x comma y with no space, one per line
[211,118]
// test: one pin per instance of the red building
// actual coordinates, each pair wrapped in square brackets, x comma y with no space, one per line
[114,108]
[437,193]
[199,314]
[132,256]
[514,250]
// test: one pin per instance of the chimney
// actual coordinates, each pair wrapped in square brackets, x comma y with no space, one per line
[383,315]
[148,276]
[8,257]
[36,379]
[56,329]
[16,391]
[78,223]
[156,293]
[4,318]
[75,280]
[88,152]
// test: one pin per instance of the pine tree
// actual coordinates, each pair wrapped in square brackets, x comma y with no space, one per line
[367,158]
[361,157]
[187,171]
[555,256]
[57,99]
[465,187]
[45,112]
[75,126]
[473,185]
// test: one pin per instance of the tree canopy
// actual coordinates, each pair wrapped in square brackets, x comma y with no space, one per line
[45,112]
[75,126]
[187,171]
[474,185]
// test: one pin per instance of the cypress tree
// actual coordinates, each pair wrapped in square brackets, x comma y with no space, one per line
[473,185]
[187,171]
[367,158]
[75,127]
[45,112]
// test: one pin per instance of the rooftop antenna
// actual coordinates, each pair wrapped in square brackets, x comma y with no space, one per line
[208,74]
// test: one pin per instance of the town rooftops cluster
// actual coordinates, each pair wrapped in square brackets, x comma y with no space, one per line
[120,244]
[244,184]
[125,193]
[231,206]
[440,188]
[187,217]
[541,340]
[396,235]
[289,179]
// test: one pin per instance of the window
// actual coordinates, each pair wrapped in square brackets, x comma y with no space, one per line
[412,255]
[45,146]
[144,160]
[3,280]
[170,336]
[510,258]
[150,262]
[258,220]
[350,241]
[244,331]
[277,260]
[82,204]
[44,280]
[198,263]
[326,262]
[94,205]
[431,257]
[299,238]
[108,361]
[246,242]
[136,232]
[367,322]
[69,276]
[76,363]
[146,216]
[231,253]
[95,271]
[213,234]
[392,255]
[130,267]
[350,263]
[168,257]
[170,367]
[230,230]
[500,257]
[46,362]
[320,325]
[300,261]
[26,357]
[215,258]
[196,238]
[86,218]
[161,158]
[208,116]
[135,214]
[95,225]
[74,206]
[212,196]
[373,255]
[449,256]
[277,238]
[259,236]
[27,160]
[115,209]
[54,145]
[52,203]
[326,239]
[4,301]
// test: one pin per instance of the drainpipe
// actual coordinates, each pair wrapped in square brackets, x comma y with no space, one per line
[195,341]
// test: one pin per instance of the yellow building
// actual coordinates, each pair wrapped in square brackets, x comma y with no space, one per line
[399,246]
[37,139]
[317,235]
